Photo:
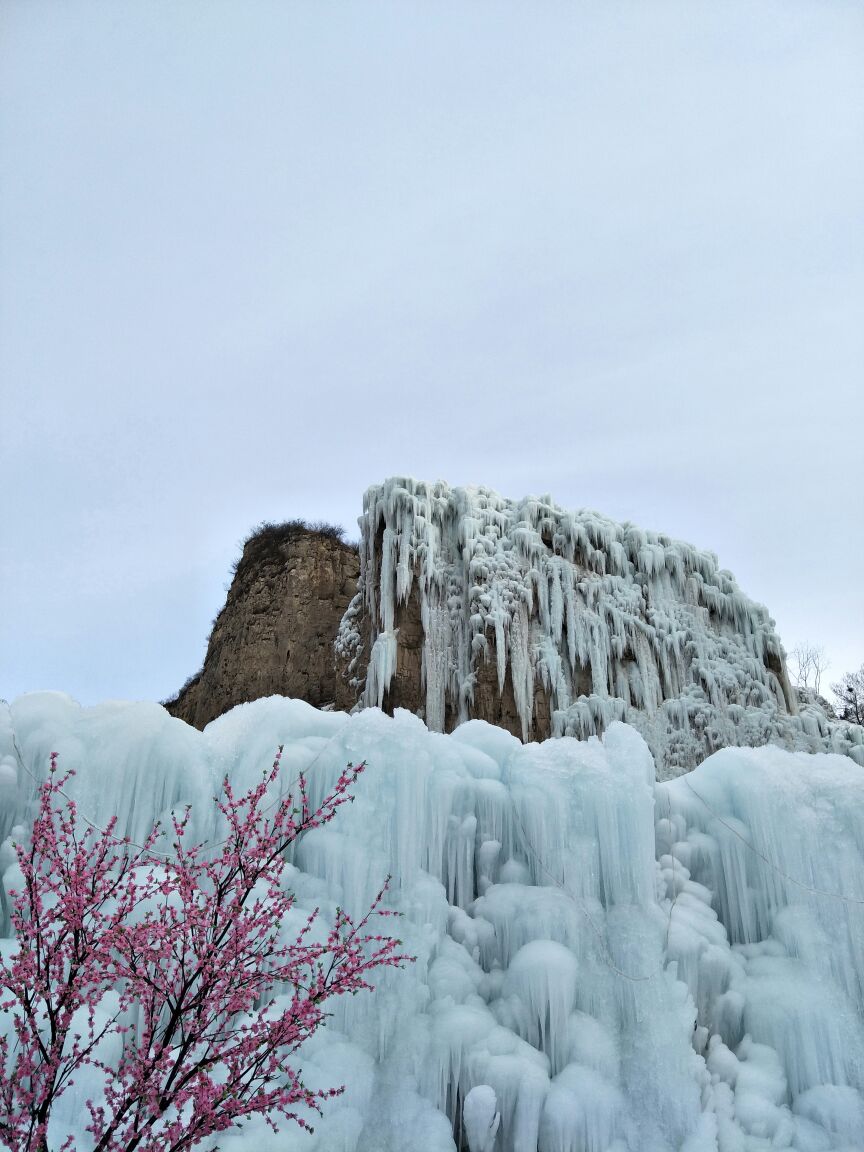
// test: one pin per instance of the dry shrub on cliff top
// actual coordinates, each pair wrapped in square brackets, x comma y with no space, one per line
[265,540]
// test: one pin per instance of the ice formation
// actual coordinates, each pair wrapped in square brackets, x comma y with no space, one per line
[604,964]
[605,620]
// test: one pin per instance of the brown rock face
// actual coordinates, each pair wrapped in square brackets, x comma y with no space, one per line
[275,634]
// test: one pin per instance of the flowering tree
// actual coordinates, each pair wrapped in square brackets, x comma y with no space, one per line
[157,975]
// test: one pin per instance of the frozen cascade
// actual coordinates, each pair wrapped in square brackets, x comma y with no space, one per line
[597,620]
[604,964]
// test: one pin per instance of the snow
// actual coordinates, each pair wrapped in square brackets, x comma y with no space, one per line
[607,621]
[604,963]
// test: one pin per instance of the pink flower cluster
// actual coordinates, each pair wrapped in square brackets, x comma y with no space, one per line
[187,953]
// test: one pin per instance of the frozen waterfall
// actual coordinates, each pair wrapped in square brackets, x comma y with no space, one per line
[598,620]
[604,963]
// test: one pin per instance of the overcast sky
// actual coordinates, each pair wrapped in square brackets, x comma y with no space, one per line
[257,256]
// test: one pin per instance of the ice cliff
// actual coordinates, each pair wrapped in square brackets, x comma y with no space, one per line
[547,621]
[604,963]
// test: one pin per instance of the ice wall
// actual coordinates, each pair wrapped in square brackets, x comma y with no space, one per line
[605,620]
[603,964]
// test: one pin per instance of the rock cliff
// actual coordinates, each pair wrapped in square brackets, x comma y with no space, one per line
[461,604]
[275,634]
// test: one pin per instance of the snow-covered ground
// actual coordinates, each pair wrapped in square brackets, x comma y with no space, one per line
[603,963]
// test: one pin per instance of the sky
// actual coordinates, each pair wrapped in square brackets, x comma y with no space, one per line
[255,257]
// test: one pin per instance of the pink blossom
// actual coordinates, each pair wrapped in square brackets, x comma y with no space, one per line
[193,956]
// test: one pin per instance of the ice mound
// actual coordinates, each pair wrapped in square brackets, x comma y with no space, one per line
[604,964]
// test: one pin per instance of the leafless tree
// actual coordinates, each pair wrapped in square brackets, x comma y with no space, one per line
[850,696]
[808,663]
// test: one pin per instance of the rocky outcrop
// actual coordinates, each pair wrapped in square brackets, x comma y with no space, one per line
[461,604]
[275,634]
